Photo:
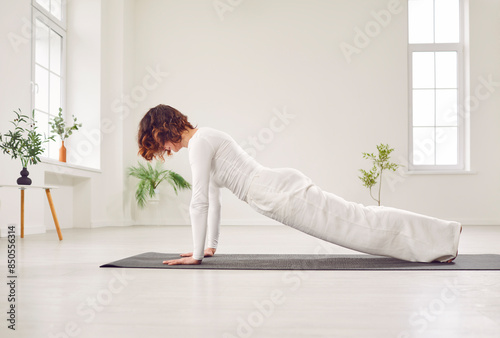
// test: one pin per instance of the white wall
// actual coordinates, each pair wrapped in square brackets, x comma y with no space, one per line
[84,67]
[266,58]
[266,55]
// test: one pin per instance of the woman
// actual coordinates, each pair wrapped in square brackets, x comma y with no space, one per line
[285,195]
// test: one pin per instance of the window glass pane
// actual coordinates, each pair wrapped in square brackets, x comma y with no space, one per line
[54,146]
[48,67]
[423,107]
[41,89]
[55,52]
[446,146]
[42,44]
[446,70]
[44,3]
[447,21]
[423,69]
[55,94]
[446,107]
[423,146]
[42,123]
[421,21]
[55,8]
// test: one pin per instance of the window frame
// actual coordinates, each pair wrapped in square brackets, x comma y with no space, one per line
[462,109]
[57,26]
[61,23]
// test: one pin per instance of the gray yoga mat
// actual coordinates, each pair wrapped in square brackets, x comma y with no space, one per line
[154,260]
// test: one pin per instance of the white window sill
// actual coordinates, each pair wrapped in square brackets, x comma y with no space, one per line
[68,165]
[441,172]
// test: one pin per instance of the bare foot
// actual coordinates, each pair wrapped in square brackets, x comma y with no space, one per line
[451,260]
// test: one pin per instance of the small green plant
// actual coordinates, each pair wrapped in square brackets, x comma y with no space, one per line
[58,126]
[380,163]
[150,177]
[24,142]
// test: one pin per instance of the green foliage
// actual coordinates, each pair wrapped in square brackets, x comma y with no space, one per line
[380,162]
[24,142]
[150,177]
[58,126]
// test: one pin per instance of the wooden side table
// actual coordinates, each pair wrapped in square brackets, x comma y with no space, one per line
[49,198]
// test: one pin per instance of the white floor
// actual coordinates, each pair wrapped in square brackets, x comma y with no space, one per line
[62,292]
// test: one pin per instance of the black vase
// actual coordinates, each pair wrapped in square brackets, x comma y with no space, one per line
[24,179]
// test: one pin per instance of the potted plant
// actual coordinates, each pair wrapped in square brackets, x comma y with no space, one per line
[149,179]
[24,142]
[59,127]
[380,163]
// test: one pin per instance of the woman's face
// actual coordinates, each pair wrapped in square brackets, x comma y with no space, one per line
[175,147]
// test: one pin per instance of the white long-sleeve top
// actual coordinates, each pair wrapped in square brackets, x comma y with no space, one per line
[216,161]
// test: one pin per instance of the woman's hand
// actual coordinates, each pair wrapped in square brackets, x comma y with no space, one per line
[183,261]
[208,253]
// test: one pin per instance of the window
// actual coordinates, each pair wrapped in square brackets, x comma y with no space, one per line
[48,65]
[436,75]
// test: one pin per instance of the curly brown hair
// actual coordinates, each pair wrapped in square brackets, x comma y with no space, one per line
[160,124]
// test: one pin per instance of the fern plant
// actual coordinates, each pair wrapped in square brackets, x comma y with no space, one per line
[381,162]
[150,177]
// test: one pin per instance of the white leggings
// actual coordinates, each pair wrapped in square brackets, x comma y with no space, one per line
[290,197]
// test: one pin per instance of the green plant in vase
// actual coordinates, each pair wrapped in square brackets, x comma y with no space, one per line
[149,179]
[24,142]
[58,126]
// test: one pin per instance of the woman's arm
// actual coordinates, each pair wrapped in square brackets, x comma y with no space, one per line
[200,157]
[213,217]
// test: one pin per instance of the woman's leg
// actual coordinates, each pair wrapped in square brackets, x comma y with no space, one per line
[290,197]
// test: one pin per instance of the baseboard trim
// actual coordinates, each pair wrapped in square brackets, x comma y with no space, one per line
[180,221]
[243,222]
[250,222]
[270,222]
[102,224]
[478,221]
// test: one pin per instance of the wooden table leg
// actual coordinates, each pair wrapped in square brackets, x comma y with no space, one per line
[53,210]
[22,213]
